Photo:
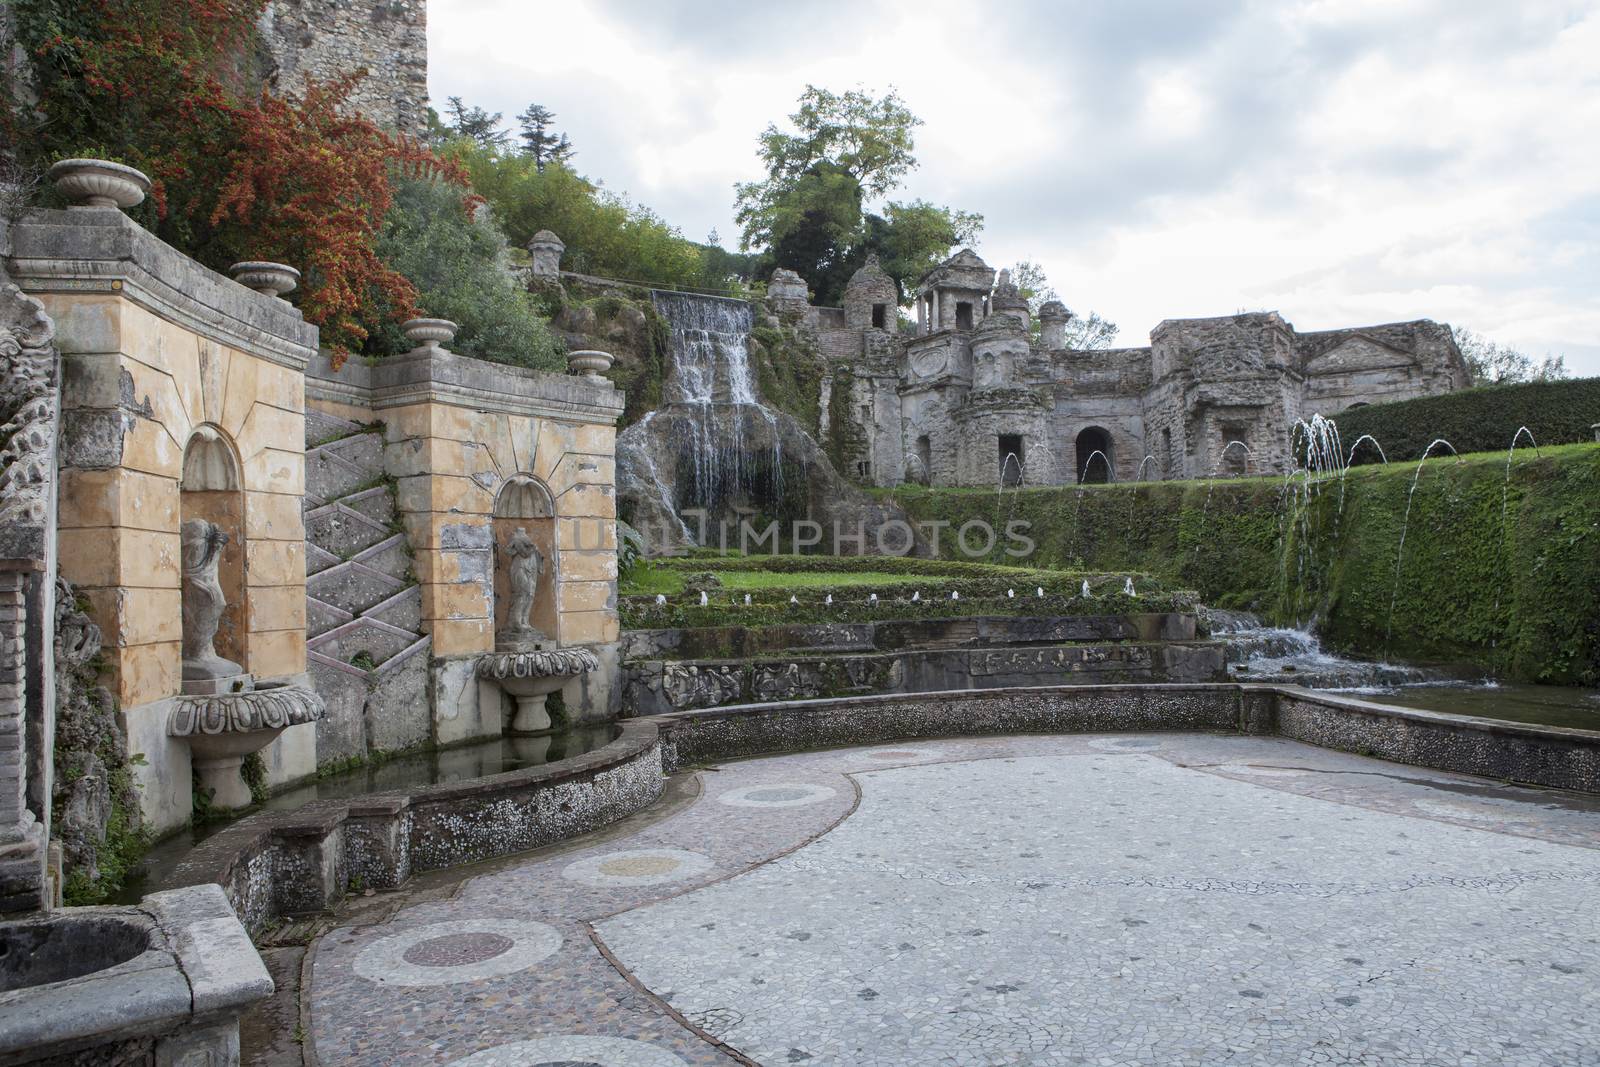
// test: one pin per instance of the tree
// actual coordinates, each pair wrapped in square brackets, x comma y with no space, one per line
[1082,334]
[455,253]
[1492,363]
[477,124]
[810,212]
[542,146]
[165,86]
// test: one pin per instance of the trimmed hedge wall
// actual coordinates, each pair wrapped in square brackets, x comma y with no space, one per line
[1477,420]
[1517,596]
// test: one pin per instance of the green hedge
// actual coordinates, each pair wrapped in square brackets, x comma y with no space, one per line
[1477,420]
[1496,575]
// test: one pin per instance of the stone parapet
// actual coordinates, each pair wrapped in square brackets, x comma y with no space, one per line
[103,253]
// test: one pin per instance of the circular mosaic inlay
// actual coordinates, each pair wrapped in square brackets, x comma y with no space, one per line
[462,950]
[644,866]
[784,795]
[573,1050]
[904,753]
[457,950]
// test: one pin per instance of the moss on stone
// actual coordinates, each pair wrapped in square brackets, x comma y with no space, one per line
[1500,576]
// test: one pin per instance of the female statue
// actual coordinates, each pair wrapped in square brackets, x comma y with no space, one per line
[522,575]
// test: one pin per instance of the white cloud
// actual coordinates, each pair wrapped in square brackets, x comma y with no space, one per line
[1339,161]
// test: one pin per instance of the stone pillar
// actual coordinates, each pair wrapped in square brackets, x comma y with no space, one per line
[1053,318]
[22,838]
[546,249]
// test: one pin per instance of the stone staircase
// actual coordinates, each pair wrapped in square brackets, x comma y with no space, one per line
[364,647]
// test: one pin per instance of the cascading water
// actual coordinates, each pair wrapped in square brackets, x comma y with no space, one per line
[1259,653]
[710,379]
[713,445]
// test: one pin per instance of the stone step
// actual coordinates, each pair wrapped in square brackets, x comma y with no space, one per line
[376,504]
[352,587]
[343,531]
[319,559]
[330,476]
[320,617]
[392,556]
[364,450]
[378,640]
[403,610]
[322,427]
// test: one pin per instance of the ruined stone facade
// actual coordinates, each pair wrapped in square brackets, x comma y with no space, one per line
[978,383]
[326,39]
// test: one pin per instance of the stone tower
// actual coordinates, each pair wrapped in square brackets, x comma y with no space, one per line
[327,39]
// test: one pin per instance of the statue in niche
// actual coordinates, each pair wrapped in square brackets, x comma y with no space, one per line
[525,564]
[203,601]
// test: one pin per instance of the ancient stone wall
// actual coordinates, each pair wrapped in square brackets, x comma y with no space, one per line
[156,351]
[326,39]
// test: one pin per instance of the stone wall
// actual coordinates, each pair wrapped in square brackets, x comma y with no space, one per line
[154,349]
[1209,396]
[326,39]
[276,864]
[455,433]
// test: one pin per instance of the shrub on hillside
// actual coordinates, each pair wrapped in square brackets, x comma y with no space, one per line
[1477,420]
[168,86]
[455,254]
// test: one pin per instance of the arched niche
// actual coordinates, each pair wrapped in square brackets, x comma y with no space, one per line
[1096,460]
[211,489]
[526,503]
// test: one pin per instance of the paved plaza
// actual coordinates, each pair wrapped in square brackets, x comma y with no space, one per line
[1135,899]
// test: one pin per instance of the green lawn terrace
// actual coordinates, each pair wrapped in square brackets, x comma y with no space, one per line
[777,628]
[754,591]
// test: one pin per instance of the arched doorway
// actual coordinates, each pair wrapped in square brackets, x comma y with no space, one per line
[1096,462]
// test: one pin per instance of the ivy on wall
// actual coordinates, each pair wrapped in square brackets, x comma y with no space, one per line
[1498,575]
[1477,420]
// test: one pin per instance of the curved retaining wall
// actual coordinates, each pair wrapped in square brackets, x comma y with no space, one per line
[303,861]
[271,865]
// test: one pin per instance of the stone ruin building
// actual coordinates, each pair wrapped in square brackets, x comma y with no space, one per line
[980,381]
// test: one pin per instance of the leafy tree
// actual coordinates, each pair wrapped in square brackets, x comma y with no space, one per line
[166,86]
[477,124]
[537,140]
[605,233]
[1492,363]
[455,253]
[810,212]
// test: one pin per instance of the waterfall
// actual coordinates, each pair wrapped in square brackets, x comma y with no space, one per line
[728,448]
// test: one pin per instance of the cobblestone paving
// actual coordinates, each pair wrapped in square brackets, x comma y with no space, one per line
[1138,899]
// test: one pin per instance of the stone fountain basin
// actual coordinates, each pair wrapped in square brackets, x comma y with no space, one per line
[43,951]
[75,983]
[232,745]
[530,675]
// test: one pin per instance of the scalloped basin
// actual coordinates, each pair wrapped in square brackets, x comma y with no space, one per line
[39,952]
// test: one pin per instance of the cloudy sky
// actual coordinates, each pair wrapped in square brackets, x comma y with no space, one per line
[1341,161]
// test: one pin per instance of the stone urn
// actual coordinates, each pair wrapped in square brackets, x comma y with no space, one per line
[589,363]
[531,676]
[222,729]
[429,335]
[273,279]
[99,183]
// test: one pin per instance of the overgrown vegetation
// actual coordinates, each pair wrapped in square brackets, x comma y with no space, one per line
[169,86]
[458,262]
[810,213]
[1477,420]
[1496,575]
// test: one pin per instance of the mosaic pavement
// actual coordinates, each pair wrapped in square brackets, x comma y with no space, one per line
[1138,899]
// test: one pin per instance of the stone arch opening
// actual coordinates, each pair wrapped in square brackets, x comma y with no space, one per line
[1096,459]
[925,457]
[212,549]
[525,564]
